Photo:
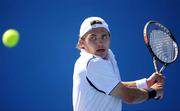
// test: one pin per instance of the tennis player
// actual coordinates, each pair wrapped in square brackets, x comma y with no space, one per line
[97,85]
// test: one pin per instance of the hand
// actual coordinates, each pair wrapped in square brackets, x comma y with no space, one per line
[154,78]
[159,89]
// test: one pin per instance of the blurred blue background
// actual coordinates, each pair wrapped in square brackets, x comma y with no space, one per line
[37,74]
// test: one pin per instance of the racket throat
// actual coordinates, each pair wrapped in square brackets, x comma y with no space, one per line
[162,68]
[155,64]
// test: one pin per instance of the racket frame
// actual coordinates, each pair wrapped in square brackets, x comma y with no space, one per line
[155,58]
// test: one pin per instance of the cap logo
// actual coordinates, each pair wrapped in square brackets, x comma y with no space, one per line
[96,22]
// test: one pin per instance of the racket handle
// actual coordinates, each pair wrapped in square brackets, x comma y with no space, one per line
[162,68]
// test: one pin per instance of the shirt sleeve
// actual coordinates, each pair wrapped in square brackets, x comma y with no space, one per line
[101,74]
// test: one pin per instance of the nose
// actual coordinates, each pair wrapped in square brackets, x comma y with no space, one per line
[100,40]
[100,43]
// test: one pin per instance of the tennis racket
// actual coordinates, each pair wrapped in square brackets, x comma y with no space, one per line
[161,44]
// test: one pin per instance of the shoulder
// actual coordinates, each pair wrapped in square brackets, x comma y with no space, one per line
[97,61]
[98,65]
[82,61]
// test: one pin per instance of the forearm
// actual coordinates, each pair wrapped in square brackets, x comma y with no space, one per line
[142,83]
[129,94]
[136,95]
[130,84]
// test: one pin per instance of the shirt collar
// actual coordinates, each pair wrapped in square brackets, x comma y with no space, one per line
[85,53]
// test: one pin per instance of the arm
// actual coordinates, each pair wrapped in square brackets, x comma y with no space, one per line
[133,84]
[130,84]
[150,81]
[135,95]
[129,94]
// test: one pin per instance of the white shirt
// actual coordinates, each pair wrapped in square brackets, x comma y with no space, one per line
[104,75]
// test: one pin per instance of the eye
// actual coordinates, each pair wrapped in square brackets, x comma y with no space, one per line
[105,37]
[93,37]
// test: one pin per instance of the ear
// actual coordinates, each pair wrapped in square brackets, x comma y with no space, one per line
[81,43]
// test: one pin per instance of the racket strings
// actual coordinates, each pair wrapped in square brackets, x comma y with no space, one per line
[163,46]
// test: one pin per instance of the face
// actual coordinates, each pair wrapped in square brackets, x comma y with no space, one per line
[97,42]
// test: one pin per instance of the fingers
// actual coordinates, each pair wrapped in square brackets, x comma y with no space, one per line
[159,77]
[160,85]
[154,78]
[160,91]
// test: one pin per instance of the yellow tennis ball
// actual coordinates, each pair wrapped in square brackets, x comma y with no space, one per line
[10,38]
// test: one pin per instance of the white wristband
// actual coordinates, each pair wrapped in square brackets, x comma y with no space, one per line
[142,83]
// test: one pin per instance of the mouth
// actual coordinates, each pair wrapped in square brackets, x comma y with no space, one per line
[100,50]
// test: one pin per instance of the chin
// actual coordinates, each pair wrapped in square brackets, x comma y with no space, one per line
[103,55]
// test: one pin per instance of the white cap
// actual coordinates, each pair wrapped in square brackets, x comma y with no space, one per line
[90,23]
